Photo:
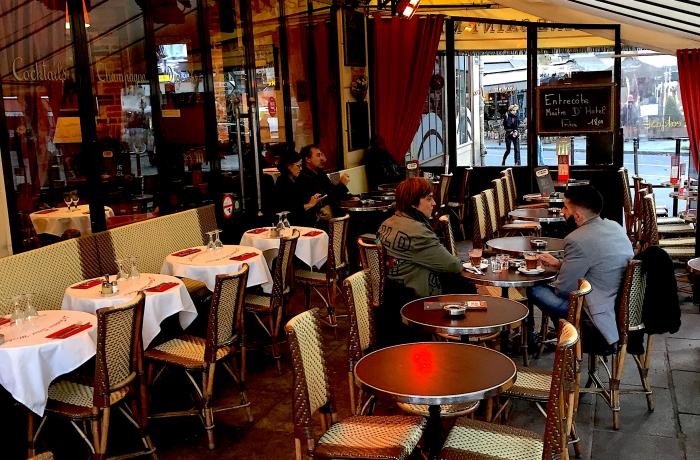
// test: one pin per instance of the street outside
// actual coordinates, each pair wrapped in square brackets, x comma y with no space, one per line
[654,160]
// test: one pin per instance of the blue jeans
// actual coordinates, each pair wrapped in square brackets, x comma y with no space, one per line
[554,305]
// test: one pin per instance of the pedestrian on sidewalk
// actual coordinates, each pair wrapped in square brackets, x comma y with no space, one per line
[510,124]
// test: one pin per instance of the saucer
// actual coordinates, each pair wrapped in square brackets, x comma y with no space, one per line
[535,271]
[484,265]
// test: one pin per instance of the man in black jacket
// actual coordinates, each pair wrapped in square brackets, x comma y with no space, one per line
[314,180]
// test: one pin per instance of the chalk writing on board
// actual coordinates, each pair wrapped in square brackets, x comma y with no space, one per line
[569,109]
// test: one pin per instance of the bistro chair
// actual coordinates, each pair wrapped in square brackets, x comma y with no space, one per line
[482,226]
[334,267]
[274,305]
[637,181]
[628,207]
[503,208]
[629,318]
[679,249]
[448,236]
[118,374]
[356,437]
[513,192]
[372,257]
[225,335]
[662,220]
[533,384]
[460,208]
[499,227]
[362,339]
[443,193]
[472,439]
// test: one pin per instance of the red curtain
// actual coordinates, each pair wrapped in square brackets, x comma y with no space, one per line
[688,71]
[404,59]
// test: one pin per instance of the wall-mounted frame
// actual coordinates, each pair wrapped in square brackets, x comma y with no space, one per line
[358,125]
[354,38]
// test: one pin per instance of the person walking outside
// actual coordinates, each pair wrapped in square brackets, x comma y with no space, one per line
[510,124]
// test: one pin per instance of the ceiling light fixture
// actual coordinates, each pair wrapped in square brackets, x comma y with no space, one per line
[408,8]
[85,16]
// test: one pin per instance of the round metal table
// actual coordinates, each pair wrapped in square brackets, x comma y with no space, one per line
[571,183]
[537,215]
[538,198]
[435,373]
[361,207]
[387,187]
[694,266]
[500,314]
[517,245]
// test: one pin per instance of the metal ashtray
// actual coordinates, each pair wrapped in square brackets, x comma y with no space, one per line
[454,310]
[539,244]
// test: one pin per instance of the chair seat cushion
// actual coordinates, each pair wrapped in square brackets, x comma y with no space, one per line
[258,303]
[531,383]
[669,220]
[676,229]
[681,252]
[307,276]
[521,225]
[73,396]
[446,410]
[365,437]
[674,242]
[186,351]
[473,439]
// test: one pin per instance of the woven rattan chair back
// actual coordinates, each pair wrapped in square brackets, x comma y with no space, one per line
[576,300]
[337,241]
[510,185]
[502,205]
[637,205]
[311,386]
[226,312]
[448,235]
[284,268]
[560,405]
[443,191]
[463,192]
[118,358]
[361,336]
[650,235]
[491,212]
[631,300]
[372,257]
[481,226]
[627,205]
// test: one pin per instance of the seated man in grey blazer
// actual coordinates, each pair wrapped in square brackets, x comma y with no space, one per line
[598,250]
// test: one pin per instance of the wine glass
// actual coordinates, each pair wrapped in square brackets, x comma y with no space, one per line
[74,198]
[67,199]
[134,272]
[217,241]
[210,244]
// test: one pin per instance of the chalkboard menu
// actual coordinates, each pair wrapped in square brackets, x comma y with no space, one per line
[568,109]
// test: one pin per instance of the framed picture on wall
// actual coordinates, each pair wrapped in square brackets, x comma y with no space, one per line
[354,38]
[358,125]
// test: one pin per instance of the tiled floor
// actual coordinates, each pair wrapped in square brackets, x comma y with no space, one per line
[672,431]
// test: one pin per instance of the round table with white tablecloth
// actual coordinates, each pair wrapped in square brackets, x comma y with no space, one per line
[55,221]
[29,360]
[165,296]
[204,265]
[312,245]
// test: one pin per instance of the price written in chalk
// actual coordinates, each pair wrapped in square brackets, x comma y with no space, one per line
[568,109]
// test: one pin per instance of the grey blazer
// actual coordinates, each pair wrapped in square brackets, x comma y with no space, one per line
[597,251]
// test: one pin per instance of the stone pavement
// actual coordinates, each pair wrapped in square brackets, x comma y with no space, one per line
[672,431]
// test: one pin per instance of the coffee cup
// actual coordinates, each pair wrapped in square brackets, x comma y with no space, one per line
[475,257]
[531,260]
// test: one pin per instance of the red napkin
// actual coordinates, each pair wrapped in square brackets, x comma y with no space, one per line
[186,252]
[244,256]
[87,284]
[75,330]
[257,230]
[5,321]
[162,287]
[313,233]
[46,211]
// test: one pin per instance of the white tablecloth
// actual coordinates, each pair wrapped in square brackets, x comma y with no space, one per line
[61,219]
[312,250]
[158,305]
[29,361]
[205,265]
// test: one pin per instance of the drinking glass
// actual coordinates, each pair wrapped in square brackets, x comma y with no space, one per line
[29,310]
[74,199]
[494,264]
[18,314]
[285,223]
[134,271]
[122,274]
[210,244]
[217,241]
[475,257]
[67,199]
[504,261]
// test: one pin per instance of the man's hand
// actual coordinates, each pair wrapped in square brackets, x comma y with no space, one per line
[548,260]
[344,178]
[313,201]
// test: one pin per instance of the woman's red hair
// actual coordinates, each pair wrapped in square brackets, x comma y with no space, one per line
[410,191]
